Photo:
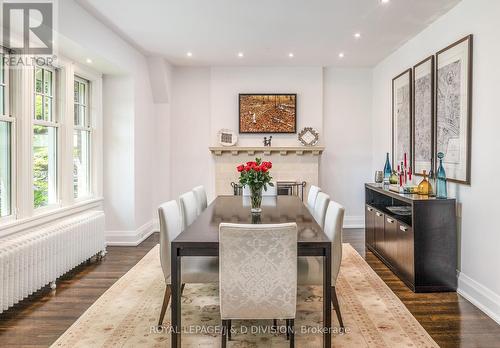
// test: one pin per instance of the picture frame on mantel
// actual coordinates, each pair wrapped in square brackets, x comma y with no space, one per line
[402,117]
[423,116]
[454,109]
[267,113]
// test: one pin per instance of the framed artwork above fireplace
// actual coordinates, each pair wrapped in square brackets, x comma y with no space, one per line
[267,113]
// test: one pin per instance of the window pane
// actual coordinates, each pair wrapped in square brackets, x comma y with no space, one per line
[81,163]
[2,67]
[77,116]
[2,100]
[83,115]
[47,81]
[83,94]
[38,80]
[76,93]
[47,109]
[44,166]
[5,169]
[38,107]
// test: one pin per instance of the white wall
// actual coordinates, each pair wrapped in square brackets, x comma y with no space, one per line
[346,162]
[190,131]
[206,100]
[479,279]
[118,116]
[227,82]
[129,118]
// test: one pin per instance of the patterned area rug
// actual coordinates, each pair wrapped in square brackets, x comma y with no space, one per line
[126,314]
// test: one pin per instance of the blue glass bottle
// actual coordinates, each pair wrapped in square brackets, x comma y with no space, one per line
[441,191]
[387,168]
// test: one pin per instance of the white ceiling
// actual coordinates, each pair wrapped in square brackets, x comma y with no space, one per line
[316,31]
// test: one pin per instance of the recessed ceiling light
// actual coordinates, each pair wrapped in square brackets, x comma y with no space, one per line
[384,1]
[89,61]
[240,54]
[189,54]
[357,35]
[341,55]
[290,55]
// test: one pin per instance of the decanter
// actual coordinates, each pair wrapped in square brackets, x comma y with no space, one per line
[424,187]
[441,191]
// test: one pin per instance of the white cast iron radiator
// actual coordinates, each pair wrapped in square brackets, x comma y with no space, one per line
[31,259]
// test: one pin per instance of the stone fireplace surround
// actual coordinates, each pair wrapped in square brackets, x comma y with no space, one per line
[289,164]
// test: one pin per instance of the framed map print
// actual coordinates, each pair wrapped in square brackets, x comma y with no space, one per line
[423,116]
[401,117]
[453,108]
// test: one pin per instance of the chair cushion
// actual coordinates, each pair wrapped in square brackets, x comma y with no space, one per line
[199,269]
[310,271]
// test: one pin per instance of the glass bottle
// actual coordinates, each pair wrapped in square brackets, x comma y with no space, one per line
[441,191]
[387,169]
[424,186]
[432,183]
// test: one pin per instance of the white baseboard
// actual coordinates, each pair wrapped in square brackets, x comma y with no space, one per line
[131,238]
[480,296]
[354,222]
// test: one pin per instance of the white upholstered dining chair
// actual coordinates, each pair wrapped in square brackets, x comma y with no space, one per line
[311,268]
[258,273]
[189,208]
[320,207]
[311,197]
[201,199]
[193,269]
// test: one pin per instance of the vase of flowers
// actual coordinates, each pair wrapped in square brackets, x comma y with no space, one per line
[256,176]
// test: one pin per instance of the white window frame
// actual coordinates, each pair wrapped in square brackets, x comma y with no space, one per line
[22,117]
[8,117]
[55,123]
[88,128]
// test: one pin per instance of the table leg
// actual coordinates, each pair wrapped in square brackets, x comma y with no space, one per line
[327,297]
[176,297]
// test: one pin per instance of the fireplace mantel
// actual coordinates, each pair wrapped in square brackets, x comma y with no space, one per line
[267,150]
[290,163]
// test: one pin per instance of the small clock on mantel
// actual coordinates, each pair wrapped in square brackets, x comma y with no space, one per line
[227,137]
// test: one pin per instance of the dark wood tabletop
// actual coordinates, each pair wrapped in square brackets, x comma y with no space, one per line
[236,209]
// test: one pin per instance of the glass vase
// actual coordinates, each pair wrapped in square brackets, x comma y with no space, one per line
[424,187]
[441,190]
[256,199]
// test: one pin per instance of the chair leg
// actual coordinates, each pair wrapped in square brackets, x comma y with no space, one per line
[224,333]
[275,324]
[335,302]
[229,330]
[292,332]
[182,288]
[166,299]
[287,329]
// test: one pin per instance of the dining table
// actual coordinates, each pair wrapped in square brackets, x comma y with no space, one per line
[201,238]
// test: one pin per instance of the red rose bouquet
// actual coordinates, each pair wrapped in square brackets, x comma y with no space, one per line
[256,176]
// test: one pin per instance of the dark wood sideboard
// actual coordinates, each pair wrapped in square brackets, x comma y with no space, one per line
[421,248]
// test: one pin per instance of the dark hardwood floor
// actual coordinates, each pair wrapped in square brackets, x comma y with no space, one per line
[39,320]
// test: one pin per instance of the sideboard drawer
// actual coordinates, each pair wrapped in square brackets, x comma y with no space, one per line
[405,251]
